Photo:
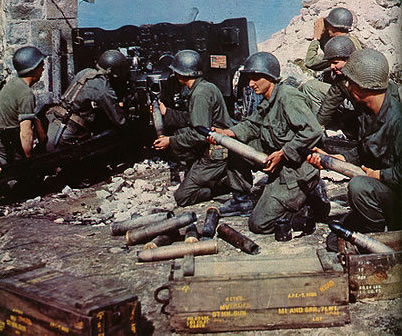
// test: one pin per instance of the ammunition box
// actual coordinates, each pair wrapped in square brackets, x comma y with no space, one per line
[256,293]
[43,301]
[374,276]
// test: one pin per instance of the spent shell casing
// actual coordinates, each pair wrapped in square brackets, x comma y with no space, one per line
[210,223]
[191,235]
[237,239]
[145,234]
[121,228]
[163,240]
[179,250]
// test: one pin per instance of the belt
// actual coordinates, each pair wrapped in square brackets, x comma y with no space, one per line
[60,112]
[216,152]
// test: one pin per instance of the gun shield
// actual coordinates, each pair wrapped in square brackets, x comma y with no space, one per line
[179,251]
[121,228]
[146,234]
[237,239]
[210,223]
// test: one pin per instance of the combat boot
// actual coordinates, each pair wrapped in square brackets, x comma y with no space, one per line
[304,221]
[318,201]
[239,205]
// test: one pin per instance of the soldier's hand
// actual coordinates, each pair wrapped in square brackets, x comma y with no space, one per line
[162,107]
[226,132]
[319,28]
[371,172]
[161,143]
[315,159]
[273,160]
[211,140]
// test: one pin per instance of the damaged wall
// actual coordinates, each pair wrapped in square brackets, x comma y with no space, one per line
[45,24]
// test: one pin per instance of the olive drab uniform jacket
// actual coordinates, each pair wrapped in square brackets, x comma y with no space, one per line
[206,107]
[211,166]
[100,91]
[286,122]
[96,94]
[380,142]
[17,103]
[314,59]
[337,93]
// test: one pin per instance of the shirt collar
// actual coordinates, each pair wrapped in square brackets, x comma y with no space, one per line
[197,81]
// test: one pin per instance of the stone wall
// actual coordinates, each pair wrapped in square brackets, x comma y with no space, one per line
[377,24]
[45,24]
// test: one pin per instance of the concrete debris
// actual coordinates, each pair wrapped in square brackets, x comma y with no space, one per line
[6,257]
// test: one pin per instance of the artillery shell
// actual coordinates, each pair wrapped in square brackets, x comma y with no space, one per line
[210,223]
[163,240]
[192,235]
[145,234]
[179,251]
[120,228]
[237,239]
[345,168]
[240,148]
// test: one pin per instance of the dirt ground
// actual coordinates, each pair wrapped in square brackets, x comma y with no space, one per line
[56,230]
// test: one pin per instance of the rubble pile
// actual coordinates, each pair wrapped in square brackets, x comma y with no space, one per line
[139,190]
[376,25]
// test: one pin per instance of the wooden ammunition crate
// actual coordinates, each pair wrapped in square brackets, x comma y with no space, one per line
[43,301]
[257,292]
[374,276]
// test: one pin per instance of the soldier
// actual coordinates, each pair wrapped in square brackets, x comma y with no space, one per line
[282,124]
[338,23]
[90,91]
[211,168]
[373,198]
[18,122]
[328,100]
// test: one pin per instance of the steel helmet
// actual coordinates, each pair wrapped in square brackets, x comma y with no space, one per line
[187,63]
[368,68]
[263,63]
[341,18]
[339,47]
[116,62]
[27,59]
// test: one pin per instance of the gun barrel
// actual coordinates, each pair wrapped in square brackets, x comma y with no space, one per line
[240,148]
[345,168]
[146,234]
[179,251]
[121,228]
[210,223]
[237,239]
[157,118]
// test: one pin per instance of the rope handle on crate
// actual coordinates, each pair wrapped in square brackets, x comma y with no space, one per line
[164,302]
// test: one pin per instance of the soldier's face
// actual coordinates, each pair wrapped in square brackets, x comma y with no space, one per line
[337,64]
[37,74]
[355,91]
[260,84]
